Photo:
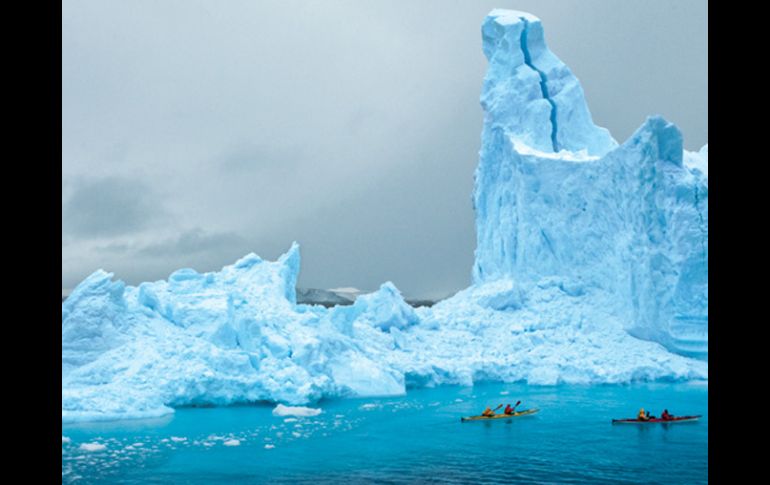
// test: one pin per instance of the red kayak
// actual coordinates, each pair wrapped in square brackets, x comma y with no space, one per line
[676,419]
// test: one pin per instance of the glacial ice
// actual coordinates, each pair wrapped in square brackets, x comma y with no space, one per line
[591,267]
[630,221]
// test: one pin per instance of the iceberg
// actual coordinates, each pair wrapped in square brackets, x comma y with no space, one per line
[216,338]
[301,411]
[591,266]
[556,197]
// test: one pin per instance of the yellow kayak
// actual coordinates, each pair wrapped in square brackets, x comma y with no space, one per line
[526,412]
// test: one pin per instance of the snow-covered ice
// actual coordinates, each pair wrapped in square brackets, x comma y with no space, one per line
[591,266]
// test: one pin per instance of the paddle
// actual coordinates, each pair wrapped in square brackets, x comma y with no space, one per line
[498,407]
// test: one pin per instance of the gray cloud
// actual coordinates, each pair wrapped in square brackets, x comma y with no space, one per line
[110,206]
[351,127]
[259,159]
[194,242]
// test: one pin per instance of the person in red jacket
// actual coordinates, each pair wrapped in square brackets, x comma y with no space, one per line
[665,416]
[509,409]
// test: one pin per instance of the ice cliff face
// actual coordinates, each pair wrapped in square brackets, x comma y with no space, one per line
[583,246]
[555,195]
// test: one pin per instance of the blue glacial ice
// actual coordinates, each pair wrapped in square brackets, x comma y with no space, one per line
[591,267]
[628,222]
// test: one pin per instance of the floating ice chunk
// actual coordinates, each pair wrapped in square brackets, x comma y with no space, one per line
[232,442]
[269,447]
[281,410]
[93,447]
[178,439]
[65,439]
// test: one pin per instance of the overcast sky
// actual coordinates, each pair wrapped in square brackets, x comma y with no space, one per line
[196,131]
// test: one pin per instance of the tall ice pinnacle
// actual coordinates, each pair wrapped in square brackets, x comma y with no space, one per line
[556,197]
[530,94]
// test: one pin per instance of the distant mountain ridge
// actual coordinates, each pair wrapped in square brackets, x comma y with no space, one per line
[327,298]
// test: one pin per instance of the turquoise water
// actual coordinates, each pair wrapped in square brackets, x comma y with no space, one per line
[416,438]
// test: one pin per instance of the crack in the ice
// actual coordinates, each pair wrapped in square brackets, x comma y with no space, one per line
[543,82]
[703,232]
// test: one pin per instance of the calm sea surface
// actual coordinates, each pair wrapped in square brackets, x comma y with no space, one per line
[417,438]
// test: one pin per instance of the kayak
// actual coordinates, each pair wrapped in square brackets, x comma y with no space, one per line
[526,412]
[677,419]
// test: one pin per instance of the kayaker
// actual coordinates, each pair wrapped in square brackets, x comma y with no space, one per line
[488,411]
[642,416]
[665,416]
[510,410]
